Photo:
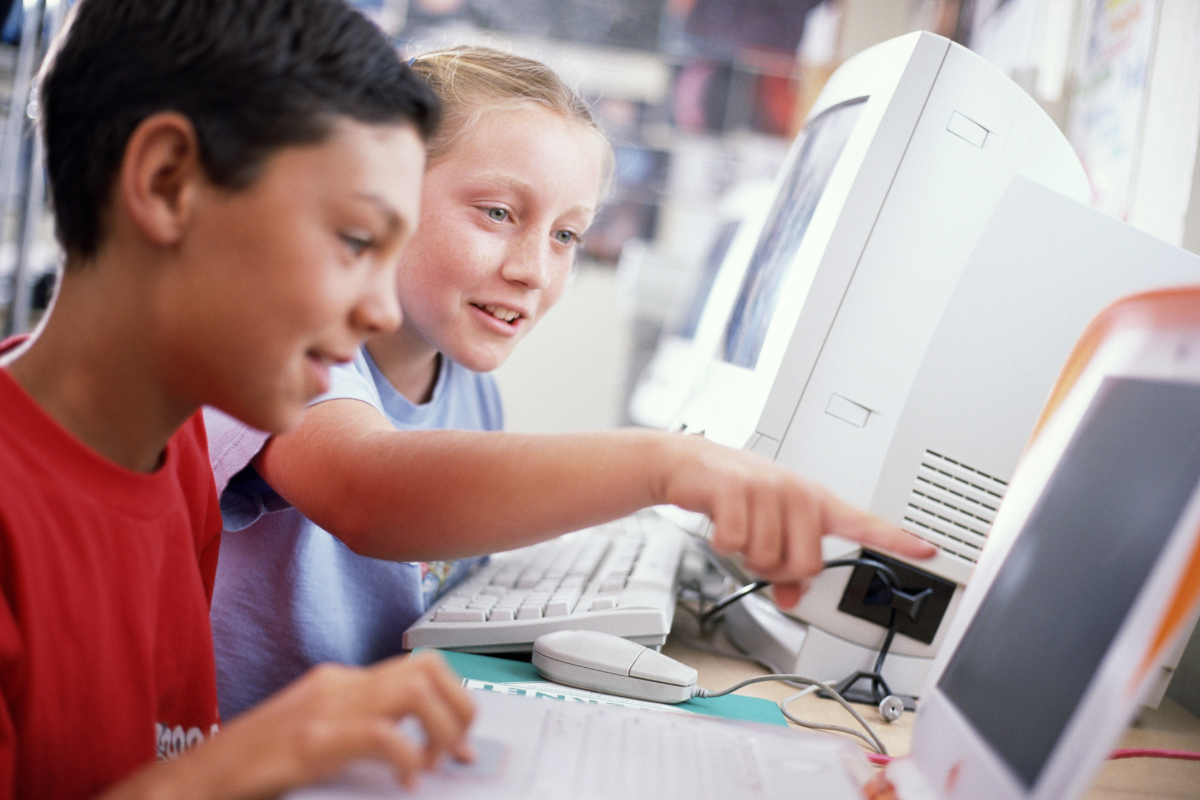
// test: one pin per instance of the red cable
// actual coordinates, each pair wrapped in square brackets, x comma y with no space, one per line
[1145,752]
[1132,752]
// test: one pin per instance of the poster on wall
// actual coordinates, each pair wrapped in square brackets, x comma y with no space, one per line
[1105,122]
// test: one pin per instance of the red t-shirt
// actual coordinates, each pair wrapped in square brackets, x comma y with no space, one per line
[106,653]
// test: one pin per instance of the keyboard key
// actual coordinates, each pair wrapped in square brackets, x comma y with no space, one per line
[559,608]
[460,615]
[612,583]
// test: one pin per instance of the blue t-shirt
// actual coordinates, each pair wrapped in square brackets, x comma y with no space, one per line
[289,594]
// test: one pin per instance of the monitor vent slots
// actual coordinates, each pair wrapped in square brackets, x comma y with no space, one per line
[953,505]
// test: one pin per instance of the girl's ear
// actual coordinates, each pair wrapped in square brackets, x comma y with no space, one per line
[159,176]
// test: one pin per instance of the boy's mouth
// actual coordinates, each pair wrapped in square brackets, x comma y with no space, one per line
[503,314]
[329,359]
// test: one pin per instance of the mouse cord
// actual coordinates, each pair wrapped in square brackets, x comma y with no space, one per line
[698,645]
[874,742]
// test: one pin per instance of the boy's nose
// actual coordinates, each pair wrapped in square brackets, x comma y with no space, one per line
[378,311]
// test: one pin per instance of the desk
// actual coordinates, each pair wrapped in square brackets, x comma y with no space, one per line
[1168,727]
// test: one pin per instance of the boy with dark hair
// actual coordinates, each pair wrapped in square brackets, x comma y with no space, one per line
[233,182]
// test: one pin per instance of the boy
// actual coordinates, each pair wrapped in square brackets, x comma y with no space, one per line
[203,157]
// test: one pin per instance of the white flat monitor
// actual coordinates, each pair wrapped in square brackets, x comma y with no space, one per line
[847,355]
[1092,571]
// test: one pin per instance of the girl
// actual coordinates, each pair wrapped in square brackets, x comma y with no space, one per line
[513,179]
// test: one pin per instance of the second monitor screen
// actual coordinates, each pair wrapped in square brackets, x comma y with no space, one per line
[824,138]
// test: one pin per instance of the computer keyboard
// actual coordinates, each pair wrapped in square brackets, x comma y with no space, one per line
[617,578]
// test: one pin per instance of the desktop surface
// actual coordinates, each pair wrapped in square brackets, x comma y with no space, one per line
[1168,727]
[504,769]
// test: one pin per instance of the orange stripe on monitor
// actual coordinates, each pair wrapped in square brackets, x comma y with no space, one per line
[1162,308]
[1183,604]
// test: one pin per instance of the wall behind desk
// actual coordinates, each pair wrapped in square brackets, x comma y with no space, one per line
[569,373]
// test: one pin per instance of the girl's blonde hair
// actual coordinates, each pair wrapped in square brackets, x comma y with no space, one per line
[472,80]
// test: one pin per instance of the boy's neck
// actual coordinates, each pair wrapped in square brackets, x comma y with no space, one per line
[92,367]
[409,363]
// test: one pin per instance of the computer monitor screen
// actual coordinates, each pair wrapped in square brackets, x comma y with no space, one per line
[708,276]
[824,139]
[1082,556]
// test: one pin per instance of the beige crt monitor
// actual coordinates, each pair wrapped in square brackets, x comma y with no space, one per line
[903,157]
[848,354]
[1043,266]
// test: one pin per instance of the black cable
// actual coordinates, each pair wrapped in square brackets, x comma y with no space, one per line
[889,577]
[879,686]
[708,617]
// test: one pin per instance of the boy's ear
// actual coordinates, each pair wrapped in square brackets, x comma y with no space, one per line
[159,176]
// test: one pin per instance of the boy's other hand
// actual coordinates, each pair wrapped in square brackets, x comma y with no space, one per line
[773,517]
[315,727]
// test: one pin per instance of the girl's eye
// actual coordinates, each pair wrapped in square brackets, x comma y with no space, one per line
[357,244]
[497,214]
[566,237]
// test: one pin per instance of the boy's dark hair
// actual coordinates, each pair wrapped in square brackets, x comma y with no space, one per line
[252,76]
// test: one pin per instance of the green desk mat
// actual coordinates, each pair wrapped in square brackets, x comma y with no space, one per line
[490,670]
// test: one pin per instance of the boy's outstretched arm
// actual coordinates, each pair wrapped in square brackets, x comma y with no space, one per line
[315,727]
[428,495]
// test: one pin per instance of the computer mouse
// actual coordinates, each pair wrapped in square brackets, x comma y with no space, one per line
[606,663]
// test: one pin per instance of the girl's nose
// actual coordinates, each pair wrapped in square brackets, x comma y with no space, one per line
[528,263]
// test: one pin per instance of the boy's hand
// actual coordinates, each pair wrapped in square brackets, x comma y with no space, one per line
[319,724]
[335,714]
[771,516]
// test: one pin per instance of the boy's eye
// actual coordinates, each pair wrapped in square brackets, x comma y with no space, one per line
[566,237]
[497,214]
